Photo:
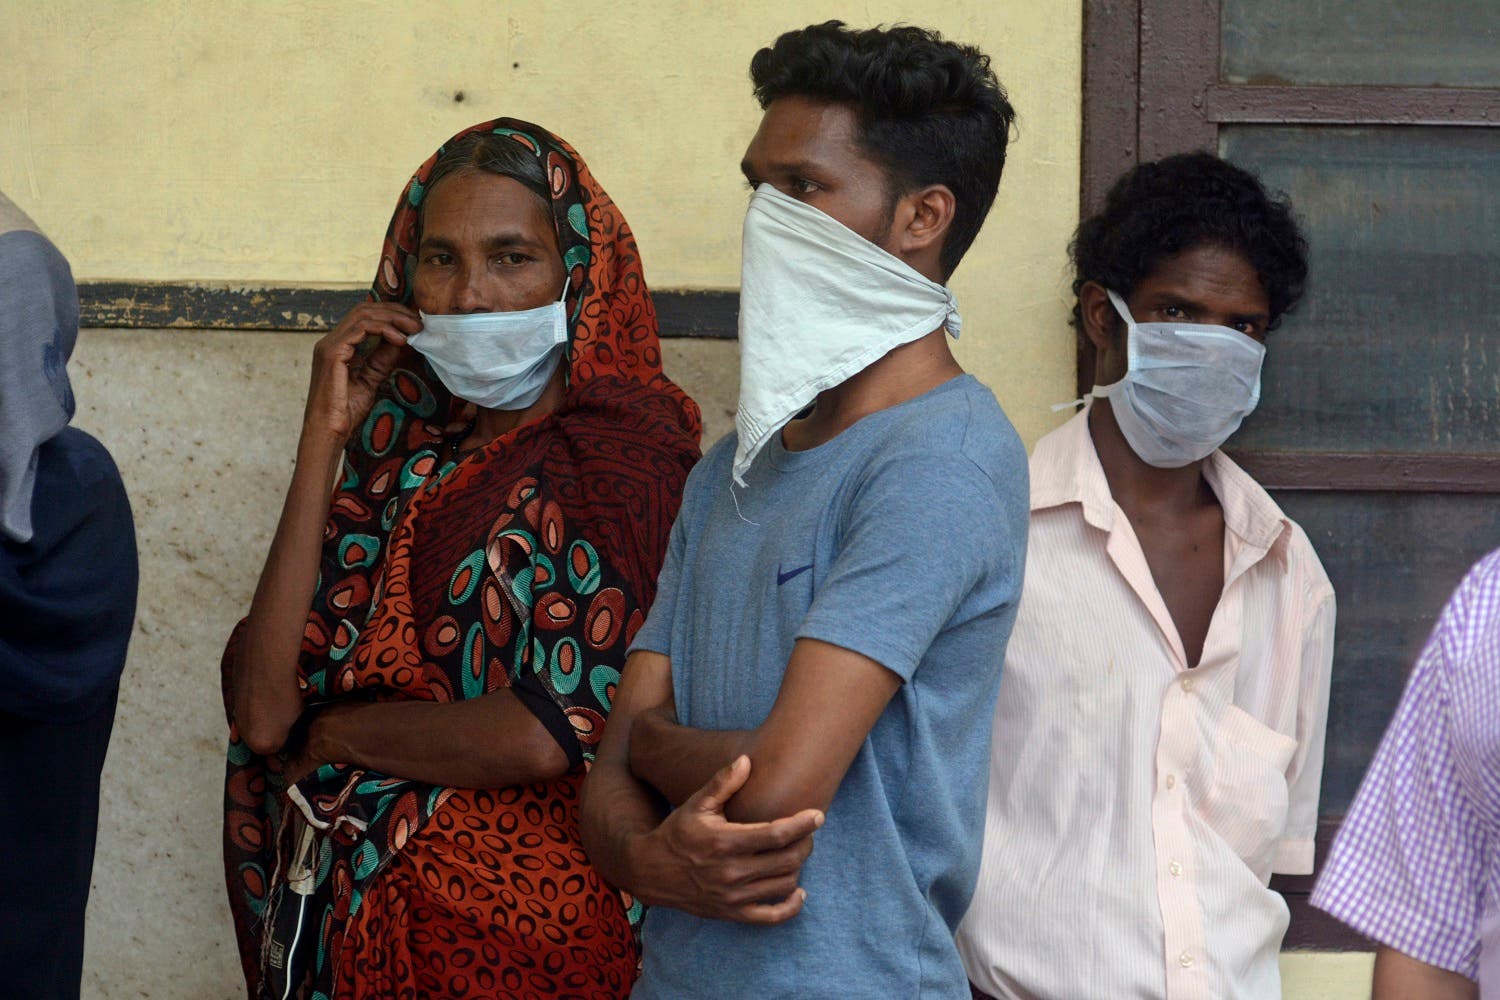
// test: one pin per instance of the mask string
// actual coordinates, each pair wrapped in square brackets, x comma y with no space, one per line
[735,497]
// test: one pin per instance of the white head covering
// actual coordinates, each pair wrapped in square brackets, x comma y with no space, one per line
[38,328]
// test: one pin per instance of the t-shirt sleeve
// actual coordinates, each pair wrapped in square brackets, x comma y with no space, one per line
[1408,867]
[1294,852]
[927,542]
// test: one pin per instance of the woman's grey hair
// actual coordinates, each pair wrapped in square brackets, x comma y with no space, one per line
[494,154]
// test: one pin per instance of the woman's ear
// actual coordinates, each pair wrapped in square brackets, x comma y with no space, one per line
[1100,321]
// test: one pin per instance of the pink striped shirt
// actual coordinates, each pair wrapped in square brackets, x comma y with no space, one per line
[1137,807]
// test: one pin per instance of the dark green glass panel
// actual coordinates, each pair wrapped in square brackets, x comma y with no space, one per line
[1394,559]
[1396,346]
[1450,43]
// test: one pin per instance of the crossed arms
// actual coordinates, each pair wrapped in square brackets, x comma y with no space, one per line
[749,800]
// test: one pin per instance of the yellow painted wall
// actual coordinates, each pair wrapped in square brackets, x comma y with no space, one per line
[267,142]
[1309,975]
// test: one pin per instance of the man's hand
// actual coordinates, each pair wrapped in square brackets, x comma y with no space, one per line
[699,862]
[344,382]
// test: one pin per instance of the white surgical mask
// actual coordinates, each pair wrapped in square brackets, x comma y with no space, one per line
[818,304]
[498,360]
[1188,387]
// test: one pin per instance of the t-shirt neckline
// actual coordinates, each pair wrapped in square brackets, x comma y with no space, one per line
[784,460]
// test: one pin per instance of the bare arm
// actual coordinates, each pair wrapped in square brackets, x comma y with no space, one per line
[829,701]
[1400,977]
[267,699]
[677,760]
[487,742]
[694,859]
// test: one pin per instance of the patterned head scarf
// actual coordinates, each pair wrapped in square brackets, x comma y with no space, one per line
[38,327]
[612,329]
[527,565]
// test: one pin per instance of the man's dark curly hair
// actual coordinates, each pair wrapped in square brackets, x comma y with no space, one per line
[1161,209]
[931,111]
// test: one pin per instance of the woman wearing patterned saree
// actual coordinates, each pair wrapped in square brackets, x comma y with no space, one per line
[430,655]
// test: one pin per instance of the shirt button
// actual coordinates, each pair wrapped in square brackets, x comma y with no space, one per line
[1175,868]
[1187,684]
[1171,780]
[1185,960]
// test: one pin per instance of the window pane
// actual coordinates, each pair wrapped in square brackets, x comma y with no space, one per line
[1449,43]
[1394,559]
[1396,346]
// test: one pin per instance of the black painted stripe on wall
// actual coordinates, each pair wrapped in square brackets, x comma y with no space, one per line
[208,306]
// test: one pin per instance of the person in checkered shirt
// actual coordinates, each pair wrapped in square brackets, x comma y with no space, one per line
[1416,866]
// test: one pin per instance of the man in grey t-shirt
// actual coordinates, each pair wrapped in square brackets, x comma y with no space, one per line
[825,648]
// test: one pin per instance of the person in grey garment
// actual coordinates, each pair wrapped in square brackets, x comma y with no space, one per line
[68,579]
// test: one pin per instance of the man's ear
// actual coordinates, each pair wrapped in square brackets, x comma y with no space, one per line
[1101,324]
[927,214]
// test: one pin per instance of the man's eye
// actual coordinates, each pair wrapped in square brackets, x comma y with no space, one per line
[1248,329]
[513,259]
[439,259]
[1175,312]
[802,185]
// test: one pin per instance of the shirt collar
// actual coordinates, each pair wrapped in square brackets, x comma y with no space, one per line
[1065,469]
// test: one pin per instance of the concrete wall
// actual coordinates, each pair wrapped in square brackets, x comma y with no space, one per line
[266,143]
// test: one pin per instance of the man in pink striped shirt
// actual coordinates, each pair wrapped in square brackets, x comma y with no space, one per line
[1158,741]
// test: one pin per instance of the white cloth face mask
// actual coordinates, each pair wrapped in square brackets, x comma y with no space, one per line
[498,360]
[1188,387]
[818,304]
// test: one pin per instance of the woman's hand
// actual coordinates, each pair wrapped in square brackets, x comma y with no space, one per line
[316,743]
[344,383]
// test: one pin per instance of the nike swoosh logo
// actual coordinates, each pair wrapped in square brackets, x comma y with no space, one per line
[784,577]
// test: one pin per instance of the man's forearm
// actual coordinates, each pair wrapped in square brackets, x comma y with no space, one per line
[617,808]
[1400,977]
[487,742]
[678,760]
[617,811]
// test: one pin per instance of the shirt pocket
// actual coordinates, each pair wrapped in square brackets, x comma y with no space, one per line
[1247,801]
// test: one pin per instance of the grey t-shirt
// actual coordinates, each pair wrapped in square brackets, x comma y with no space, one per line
[902,539]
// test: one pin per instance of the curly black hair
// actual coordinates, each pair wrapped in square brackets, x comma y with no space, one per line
[931,111]
[1161,209]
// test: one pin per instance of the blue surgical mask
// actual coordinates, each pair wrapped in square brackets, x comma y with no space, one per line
[1188,387]
[498,360]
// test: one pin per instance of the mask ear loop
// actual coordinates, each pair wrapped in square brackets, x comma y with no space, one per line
[1120,308]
